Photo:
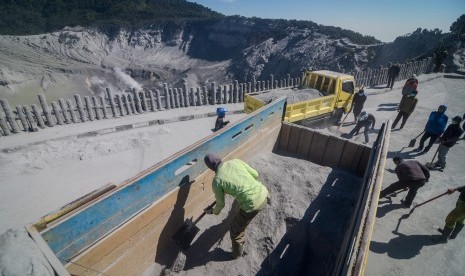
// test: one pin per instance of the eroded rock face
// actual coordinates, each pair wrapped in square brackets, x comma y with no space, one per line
[83,61]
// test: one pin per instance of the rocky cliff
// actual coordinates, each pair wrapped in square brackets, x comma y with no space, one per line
[87,60]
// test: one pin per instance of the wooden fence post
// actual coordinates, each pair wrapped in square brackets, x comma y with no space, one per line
[62,104]
[104,107]
[36,111]
[185,89]
[56,111]
[32,124]
[205,95]
[22,117]
[112,103]
[230,94]
[199,96]
[152,101]
[213,93]
[158,99]
[235,89]
[126,104]
[167,96]
[4,126]
[120,105]
[10,117]
[46,110]
[143,98]
[172,98]
[71,111]
[80,107]
[132,102]
[175,97]
[136,101]
[96,108]
[90,111]
[224,94]
[193,97]
[180,97]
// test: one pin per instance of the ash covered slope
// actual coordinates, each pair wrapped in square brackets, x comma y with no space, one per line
[87,60]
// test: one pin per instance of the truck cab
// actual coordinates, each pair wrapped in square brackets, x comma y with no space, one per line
[330,83]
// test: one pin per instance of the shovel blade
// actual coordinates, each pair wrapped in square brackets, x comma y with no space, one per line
[412,143]
[185,235]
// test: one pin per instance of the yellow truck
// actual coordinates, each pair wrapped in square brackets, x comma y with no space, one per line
[335,97]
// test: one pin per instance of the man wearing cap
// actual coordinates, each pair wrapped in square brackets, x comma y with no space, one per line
[410,85]
[435,126]
[236,178]
[406,107]
[448,140]
[366,120]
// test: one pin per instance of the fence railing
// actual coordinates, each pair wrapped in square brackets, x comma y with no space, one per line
[373,77]
[31,118]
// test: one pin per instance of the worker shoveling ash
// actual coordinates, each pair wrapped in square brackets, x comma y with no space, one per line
[293,95]
[309,208]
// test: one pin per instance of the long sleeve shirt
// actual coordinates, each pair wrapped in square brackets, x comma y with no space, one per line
[408,104]
[236,178]
[412,170]
[436,123]
[451,135]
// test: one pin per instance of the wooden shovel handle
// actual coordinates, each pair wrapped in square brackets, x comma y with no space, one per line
[431,199]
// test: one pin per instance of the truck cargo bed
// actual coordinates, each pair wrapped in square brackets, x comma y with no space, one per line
[323,194]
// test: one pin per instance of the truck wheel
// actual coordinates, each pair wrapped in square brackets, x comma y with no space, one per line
[337,115]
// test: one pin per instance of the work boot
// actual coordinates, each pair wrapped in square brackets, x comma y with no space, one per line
[237,250]
[457,229]
[446,232]
[405,204]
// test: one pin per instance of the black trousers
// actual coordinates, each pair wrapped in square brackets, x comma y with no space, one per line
[391,81]
[432,138]
[404,116]
[399,185]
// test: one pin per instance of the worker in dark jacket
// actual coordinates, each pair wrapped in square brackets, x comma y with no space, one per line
[455,220]
[406,107]
[393,72]
[435,126]
[366,120]
[220,122]
[358,102]
[448,140]
[410,85]
[236,178]
[412,175]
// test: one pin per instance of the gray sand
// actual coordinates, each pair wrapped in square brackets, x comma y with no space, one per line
[298,190]
[293,95]
[21,256]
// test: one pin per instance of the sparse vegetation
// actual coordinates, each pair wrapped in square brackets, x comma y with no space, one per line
[26,17]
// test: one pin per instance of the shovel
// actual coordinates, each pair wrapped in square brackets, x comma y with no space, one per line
[414,140]
[405,216]
[342,122]
[430,165]
[186,234]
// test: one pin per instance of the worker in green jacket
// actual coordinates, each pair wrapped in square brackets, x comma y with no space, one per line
[406,107]
[236,178]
